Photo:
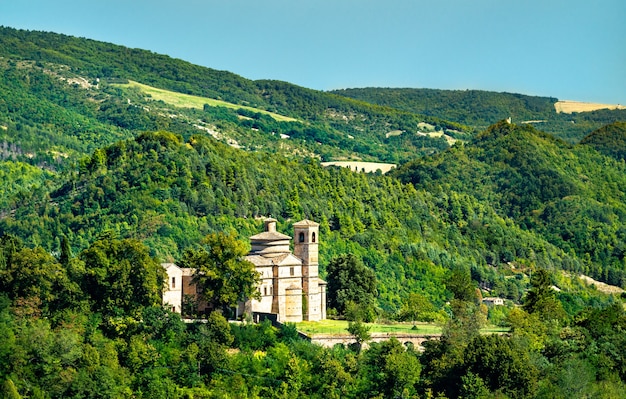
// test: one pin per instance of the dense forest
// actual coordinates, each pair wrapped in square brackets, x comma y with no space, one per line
[570,195]
[103,182]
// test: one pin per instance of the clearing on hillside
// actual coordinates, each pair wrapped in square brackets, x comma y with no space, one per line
[567,107]
[362,166]
[600,286]
[188,101]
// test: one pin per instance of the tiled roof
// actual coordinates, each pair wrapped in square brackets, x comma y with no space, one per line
[306,223]
[270,236]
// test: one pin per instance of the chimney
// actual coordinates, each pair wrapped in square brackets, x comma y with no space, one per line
[270,225]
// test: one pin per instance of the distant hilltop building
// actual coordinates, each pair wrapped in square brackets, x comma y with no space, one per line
[290,286]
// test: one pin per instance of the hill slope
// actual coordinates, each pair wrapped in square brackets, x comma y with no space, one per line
[571,195]
[62,94]
[169,193]
[480,109]
[609,140]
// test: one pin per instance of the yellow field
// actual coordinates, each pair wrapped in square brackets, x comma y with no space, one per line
[188,101]
[567,107]
[359,166]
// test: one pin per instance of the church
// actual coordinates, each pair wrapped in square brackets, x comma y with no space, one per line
[290,288]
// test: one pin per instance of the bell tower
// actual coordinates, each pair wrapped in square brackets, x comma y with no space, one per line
[306,244]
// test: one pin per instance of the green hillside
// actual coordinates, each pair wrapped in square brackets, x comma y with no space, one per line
[570,195]
[114,160]
[169,193]
[609,140]
[481,109]
[68,95]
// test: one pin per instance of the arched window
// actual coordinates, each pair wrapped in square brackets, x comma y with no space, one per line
[301,237]
[313,237]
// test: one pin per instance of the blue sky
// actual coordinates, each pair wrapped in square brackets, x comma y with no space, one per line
[572,50]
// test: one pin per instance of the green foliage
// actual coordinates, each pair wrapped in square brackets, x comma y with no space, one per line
[481,214]
[570,196]
[360,331]
[393,370]
[221,274]
[68,89]
[541,299]
[418,308]
[351,284]
[609,140]
[503,364]
[120,276]
[160,356]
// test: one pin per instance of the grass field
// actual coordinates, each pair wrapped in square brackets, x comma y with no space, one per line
[339,327]
[188,101]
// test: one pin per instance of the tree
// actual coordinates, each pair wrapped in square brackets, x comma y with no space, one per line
[351,281]
[222,276]
[391,370]
[461,286]
[360,332]
[503,363]
[541,298]
[418,307]
[120,276]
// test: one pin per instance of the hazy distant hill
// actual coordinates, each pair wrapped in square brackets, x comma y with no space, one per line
[483,108]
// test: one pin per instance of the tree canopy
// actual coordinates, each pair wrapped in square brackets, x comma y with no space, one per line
[221,274]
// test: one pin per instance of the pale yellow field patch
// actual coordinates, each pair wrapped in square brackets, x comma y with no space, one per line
[189,101]
[600,286]
[567,107]
[358,166]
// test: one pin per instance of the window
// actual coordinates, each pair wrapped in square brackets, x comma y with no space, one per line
[301,237]
[313,237]
[173,282]
[291,271]
[265,291]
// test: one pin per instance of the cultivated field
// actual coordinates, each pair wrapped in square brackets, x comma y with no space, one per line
[362,166]
[567,107]
[188,101]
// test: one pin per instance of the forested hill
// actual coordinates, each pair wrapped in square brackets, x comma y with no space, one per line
[114,160]
[481,109]
[61,97]
[572,196]
[169,193]
[69,105]
[609,140]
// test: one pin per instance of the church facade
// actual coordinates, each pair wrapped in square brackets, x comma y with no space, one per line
[289,288]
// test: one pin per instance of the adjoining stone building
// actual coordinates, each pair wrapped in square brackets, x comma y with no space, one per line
[290,287]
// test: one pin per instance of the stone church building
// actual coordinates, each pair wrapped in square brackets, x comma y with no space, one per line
[290,287]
